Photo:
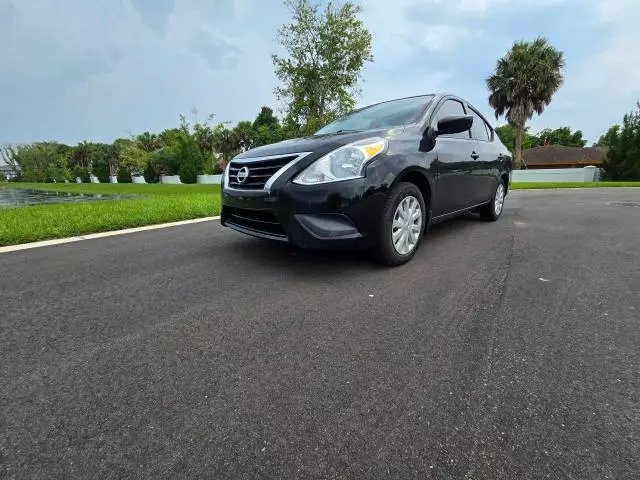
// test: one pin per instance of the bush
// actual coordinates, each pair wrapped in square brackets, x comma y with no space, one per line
[124,176]
[101,170]
[81,172]
[133,158]
[165,161]
[191,161]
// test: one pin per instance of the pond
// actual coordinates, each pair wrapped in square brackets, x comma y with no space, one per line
[10,197]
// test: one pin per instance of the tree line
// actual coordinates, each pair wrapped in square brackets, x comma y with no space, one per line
[559,136]
[187,150]
[326,49]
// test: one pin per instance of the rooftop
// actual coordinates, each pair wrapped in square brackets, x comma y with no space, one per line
[559,155]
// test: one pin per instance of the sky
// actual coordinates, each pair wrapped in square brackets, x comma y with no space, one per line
[96,70]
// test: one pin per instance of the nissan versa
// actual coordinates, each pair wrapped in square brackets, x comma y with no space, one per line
[376,178]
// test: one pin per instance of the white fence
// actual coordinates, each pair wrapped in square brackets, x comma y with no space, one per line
[585,174]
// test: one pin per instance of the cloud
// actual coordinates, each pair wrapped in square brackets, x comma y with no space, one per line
[603,82]
[155,13]
[75,70]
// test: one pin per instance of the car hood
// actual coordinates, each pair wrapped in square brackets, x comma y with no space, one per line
[318,144]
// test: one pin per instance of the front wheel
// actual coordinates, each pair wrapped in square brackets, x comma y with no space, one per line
[492,210]
[401,226]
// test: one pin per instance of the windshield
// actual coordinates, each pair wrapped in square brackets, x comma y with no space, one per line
[382,115]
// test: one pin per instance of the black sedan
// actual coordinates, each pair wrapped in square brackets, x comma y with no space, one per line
[376,178]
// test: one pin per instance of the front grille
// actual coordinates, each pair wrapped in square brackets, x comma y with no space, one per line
[260,221]
[260,171]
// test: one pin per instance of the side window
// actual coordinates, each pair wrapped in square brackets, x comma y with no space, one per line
[451,107]
[489,131]
[479,129]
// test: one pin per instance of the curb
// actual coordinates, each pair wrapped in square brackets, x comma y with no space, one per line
[91,236]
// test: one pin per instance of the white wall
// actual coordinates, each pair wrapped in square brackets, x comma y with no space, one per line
[170,179]
[585,174]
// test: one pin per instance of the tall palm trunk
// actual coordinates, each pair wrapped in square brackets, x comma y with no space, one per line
[518,153]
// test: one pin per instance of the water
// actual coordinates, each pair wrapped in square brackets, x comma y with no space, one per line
[10,197]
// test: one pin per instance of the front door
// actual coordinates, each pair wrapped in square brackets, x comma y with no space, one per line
[454,163]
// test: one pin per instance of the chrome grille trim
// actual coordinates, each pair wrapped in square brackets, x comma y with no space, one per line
[255,160]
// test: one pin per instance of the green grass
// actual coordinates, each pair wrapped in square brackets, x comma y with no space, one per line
[542,185]
[157,204]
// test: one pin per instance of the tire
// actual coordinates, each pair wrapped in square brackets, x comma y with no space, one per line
[388,251]
[492,210]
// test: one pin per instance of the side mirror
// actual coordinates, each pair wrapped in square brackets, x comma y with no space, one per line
[454,124]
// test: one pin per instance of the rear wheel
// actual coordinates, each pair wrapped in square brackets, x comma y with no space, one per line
[401,225]
[492,210]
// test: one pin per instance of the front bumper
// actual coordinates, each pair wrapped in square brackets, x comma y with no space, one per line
[341,214]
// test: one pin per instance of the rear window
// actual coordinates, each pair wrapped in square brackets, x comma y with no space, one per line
[489,130]
[479,127]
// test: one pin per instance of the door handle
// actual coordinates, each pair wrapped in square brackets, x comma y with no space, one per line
[474,155]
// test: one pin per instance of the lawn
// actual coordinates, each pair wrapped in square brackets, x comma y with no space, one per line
[157,204]
[541,185]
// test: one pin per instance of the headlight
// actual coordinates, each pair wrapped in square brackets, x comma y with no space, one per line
[342,164]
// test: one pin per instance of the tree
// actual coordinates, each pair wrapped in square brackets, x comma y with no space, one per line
[609,138]
[80,158]
[507,135]
[91,158]
[560,136]
[225,142]
[189,152]
[9,154]
[116,166]
[133,158]
[39,162]
[266,118]
[266,128]
[168,137]
[326,50]
[164,161]
[623,156]
[149,142]
[113,159]
[191,160]
[244,135]
[523,83]
[203,134]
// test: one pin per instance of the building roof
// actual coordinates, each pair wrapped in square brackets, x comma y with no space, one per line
[558,155]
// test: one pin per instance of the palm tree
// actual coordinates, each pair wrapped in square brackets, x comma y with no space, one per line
[524,82]
[149,142]
[244,135]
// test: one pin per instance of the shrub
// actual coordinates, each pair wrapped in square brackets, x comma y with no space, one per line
[81,172]
[191,161]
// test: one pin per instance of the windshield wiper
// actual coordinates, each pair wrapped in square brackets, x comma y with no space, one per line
[348,131]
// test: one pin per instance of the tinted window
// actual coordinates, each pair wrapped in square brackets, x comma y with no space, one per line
[478,129]
[451,107]
[383,115]
[489,131]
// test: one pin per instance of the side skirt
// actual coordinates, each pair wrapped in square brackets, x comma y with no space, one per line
[447,216]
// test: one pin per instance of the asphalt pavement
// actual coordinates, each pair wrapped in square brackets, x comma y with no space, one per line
[503,350]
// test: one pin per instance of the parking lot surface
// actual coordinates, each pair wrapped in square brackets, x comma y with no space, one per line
[505,350]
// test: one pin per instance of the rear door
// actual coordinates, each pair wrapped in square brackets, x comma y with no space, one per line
[454,188]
